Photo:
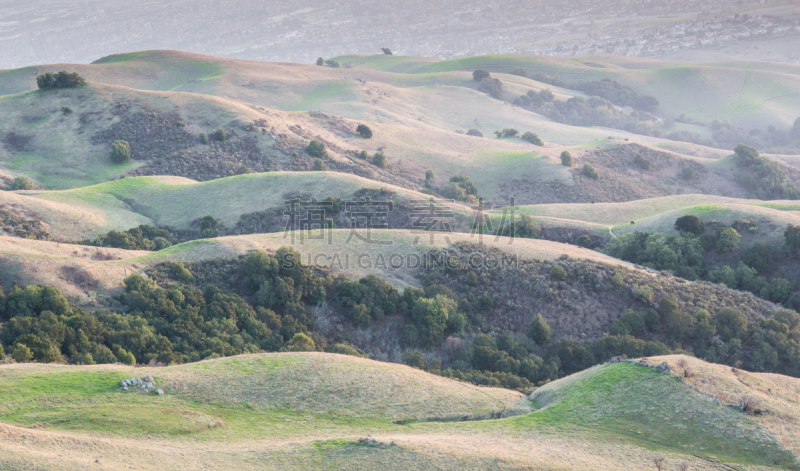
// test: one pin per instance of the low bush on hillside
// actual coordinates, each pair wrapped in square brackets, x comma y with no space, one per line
[566,159]
[316,149]
[524,227]
[364,131]
[22,183]
[18,226]
[589,171]
[120,152]
[169,149]
[143,237]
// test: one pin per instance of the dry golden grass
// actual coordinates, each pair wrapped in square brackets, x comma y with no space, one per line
[303,411]
[777,393]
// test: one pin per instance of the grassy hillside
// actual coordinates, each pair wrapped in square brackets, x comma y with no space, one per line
[415,117]
[659,214]
[84,212]
[47,262]
[306,410]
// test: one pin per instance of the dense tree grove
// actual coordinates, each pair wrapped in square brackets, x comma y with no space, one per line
[762,176]
[592,111]
[265,302]
[684,256]
[62,79]
[605,88]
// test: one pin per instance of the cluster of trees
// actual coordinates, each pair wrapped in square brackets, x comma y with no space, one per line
[684,256]
[489,85]
[22,183]
[144,237]
[528,136]
[524,227]
[330,62]
[605,88]
[171,325]
[460,188]
[594,111]
[762,176]
[727,135]
[62,79]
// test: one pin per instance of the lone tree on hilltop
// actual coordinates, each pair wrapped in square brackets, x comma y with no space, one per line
[689,223]
[120,152]
[320,61]
[386,51]
[480,75]
[566,159]
[364,130]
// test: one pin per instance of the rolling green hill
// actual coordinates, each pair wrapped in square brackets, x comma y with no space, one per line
[308,410]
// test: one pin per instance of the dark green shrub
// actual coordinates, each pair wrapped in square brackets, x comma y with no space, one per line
[414,360]
[120,152]
[566,159]
[533,138]
[519,71]
[480,75]
[203,138]
[316,149]
[539,331]
[319,165]
[557,273]
[22,183]
[66,109]
[219,135]
[507,132]
[343,348]
[590,172]
[727,240]
[641,162]
[364,130]
[475,133]
[125,357]
[690,224]
[379,160]
[524,227]
[21,353]
[760,256]
[430,178]
[584,241]
[62,79]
